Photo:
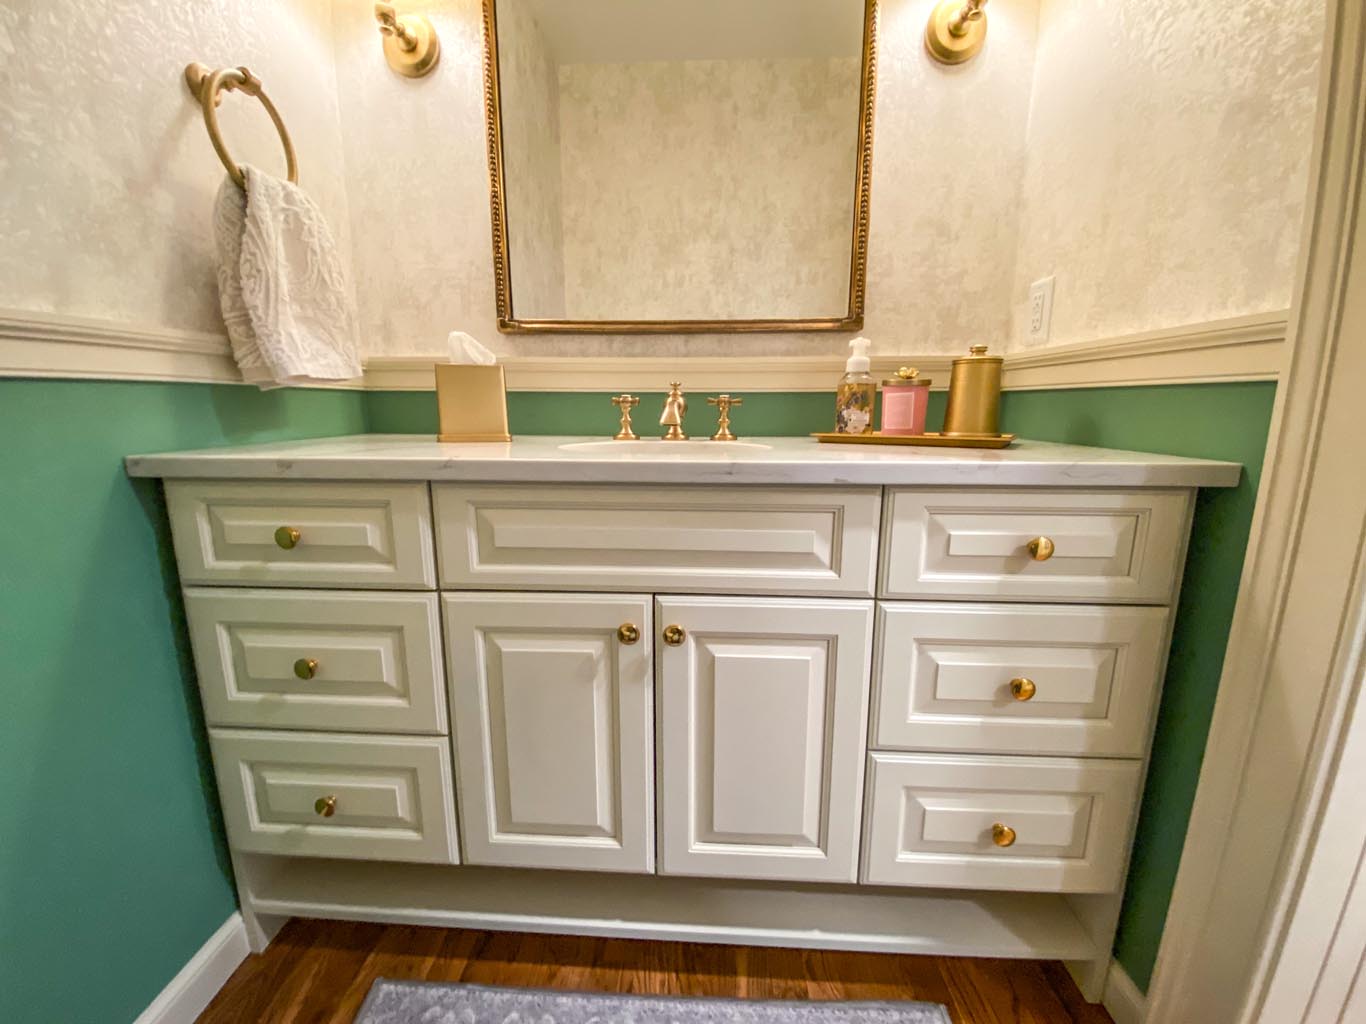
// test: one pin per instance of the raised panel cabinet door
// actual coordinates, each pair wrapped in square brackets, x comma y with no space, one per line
[763,718]
[553,713]
[361,661]
[1034,545]
[280,533]
[728,540]
[1017,678]
[1033,824]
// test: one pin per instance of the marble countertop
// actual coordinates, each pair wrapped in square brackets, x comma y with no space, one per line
[766,460]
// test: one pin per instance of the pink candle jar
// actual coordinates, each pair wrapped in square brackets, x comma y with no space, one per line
[905,400]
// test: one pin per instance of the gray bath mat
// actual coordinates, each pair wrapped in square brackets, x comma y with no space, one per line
[416,1002]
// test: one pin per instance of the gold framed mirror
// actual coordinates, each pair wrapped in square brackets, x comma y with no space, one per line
[679,168]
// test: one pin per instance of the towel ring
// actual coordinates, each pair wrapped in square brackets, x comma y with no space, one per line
[208,87]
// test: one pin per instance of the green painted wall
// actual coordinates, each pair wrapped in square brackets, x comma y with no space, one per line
[121,866]
[112,870]
[1221,421]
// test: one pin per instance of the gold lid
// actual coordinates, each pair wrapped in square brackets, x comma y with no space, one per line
[977,354]
[907,376]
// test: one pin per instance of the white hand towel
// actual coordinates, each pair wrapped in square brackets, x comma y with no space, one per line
[281,285]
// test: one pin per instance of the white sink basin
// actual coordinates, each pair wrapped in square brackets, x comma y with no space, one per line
[655,446]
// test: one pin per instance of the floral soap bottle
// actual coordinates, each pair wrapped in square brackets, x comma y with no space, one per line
[857,391]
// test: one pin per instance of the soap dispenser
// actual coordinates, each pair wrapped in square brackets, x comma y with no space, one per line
[857,392]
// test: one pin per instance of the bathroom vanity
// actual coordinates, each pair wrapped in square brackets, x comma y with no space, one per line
[773,693]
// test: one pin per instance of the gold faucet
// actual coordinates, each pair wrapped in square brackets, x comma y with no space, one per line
[724,404]
[675,408]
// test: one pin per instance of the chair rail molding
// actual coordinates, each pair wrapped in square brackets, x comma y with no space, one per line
[43,344]
[1293,664]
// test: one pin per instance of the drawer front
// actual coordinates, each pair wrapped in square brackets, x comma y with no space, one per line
[727,540]
[348,535]
[931,819]
[391,796]
[1086,679]
[1122,546]
[347,660]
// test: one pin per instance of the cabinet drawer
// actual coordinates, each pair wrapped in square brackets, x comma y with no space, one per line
[1122,546]
[348,535]
[347,660]
[391,796]
[725,539]
[1086,678]
[931,819]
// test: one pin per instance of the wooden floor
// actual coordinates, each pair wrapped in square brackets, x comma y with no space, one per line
[319,971]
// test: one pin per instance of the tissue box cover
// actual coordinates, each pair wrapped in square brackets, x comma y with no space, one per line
[471,403]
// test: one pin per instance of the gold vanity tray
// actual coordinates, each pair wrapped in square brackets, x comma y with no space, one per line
[925,440]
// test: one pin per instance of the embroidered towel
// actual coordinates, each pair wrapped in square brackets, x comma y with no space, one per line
[281,286]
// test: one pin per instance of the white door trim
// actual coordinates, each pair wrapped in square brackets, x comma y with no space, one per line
[1287,678]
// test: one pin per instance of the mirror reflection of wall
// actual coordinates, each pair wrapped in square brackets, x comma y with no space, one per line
[680,161]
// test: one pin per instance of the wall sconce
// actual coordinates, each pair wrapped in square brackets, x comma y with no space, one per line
[956,31]
[410,43]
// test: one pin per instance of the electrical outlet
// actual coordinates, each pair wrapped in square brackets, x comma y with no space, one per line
[1040,308]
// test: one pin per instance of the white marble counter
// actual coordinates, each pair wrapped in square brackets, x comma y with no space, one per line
[778,460]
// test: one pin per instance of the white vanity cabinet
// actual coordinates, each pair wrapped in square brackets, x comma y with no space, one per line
[800,696]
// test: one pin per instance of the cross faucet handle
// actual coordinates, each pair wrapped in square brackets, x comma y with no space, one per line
[626,403]
[724,404]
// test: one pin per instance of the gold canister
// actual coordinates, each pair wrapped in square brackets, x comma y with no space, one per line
[974,407]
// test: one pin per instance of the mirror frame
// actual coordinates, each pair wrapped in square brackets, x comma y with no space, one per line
[858,262]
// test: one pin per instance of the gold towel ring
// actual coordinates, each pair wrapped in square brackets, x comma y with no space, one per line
[208,87]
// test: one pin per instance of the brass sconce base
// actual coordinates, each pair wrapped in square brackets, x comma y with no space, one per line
[943,43]
[411,45]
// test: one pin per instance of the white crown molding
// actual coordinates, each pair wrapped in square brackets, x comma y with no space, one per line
[1125,1003]
[195,985]
[1243,348]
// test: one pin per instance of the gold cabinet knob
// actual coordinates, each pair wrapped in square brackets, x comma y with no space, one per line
[306,668]
[325,806]
[1002,835]
[1022,689]
[628,633]
[674,635]
[287,536]
[1040,549]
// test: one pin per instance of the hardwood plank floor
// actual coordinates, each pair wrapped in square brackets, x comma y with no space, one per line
[318,972]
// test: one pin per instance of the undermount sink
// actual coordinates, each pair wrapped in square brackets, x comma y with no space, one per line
[656,446]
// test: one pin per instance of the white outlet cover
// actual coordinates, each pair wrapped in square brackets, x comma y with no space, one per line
[1040,308]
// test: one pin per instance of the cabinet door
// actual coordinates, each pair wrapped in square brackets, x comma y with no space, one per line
[763,709]
[553,721]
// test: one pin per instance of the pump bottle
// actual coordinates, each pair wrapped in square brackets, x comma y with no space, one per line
[857,392]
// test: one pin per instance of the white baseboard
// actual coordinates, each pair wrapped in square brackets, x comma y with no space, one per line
[1126,1004]
[198,982]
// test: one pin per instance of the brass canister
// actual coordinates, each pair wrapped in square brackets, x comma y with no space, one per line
[974,395]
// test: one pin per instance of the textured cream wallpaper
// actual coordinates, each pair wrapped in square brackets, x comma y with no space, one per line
[530,99]
[107,176]
[1168,155]
[706,189]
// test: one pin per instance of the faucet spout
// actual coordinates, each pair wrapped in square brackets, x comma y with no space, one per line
[675,408]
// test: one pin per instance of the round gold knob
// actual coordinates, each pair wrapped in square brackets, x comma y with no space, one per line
[1002,835]
[306,668]
[628,633]
[325,806]
[1040,549]
[287,536]
[1022,689]
[674,635]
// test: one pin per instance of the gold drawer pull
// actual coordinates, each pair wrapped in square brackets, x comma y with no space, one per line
[306,668]
[628,633]
[287,536]
[1040,549]
[1002,835]
[1022,689]
[674,635]
[325,806]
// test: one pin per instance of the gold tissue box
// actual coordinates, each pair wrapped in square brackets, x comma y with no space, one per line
[472,403]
